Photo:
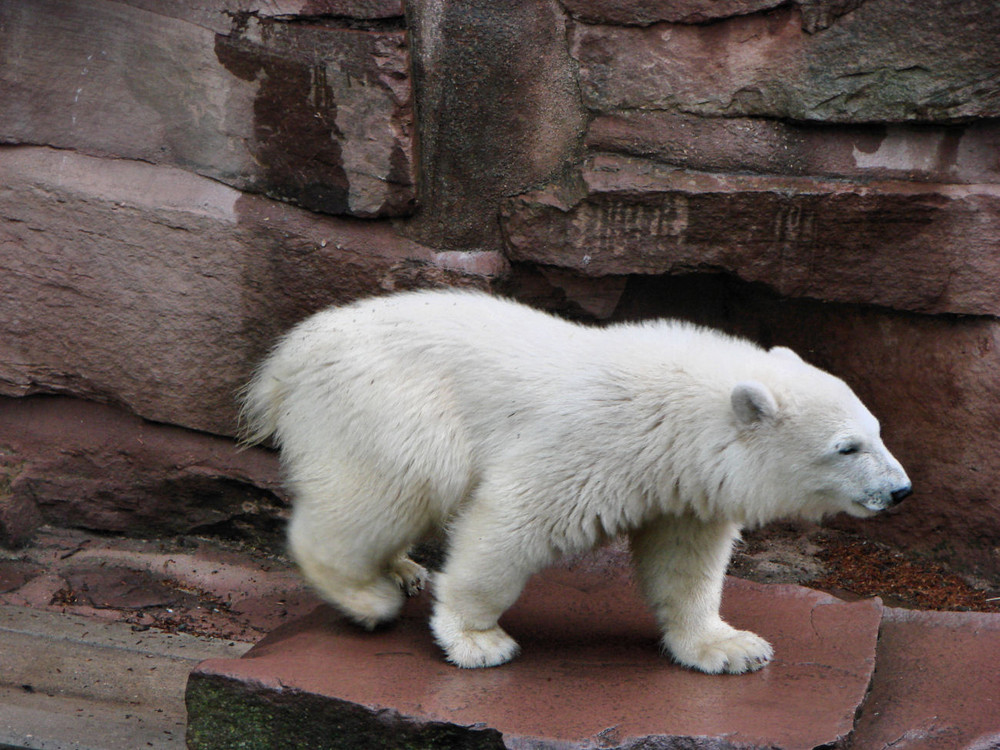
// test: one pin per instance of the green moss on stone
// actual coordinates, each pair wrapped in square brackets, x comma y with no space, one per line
[227,714]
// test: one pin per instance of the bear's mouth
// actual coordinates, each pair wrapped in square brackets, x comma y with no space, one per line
[876,502]
[866,507]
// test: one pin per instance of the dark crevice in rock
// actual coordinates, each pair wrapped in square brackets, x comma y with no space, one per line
[241,20]
[817,15]
[262,532]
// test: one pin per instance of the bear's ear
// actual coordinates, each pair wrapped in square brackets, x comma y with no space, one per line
[753,402]
[785,353]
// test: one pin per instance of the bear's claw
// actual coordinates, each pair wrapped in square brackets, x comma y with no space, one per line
[408,575]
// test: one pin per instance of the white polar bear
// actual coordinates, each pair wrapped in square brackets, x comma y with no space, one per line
[528,438]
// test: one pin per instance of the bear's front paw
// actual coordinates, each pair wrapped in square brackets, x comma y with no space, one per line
[472,648]
[721,649]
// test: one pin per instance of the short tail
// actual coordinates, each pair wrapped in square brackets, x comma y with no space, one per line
[261,401]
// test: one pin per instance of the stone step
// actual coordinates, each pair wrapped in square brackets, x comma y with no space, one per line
[76,682]
[589,676]
[43,721]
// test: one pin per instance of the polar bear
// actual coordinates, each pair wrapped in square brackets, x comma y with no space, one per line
[527,438]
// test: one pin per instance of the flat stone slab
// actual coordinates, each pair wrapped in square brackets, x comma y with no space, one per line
[936,686]
[589,675]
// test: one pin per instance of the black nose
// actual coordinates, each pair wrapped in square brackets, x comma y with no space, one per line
[901,494]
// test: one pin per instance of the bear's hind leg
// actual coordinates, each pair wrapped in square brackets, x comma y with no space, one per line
[369,601]
[681,565]
[354,563]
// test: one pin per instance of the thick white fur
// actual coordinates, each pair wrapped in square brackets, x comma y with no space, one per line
[528,438]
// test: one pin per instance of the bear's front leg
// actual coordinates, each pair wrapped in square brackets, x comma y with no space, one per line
[485,572]
[681,564]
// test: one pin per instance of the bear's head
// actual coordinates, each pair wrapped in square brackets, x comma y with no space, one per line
[818,446]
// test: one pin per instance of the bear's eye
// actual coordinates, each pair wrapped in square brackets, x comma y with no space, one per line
[847,450]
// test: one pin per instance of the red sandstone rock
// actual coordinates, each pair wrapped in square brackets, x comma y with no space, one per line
[332,117]
[178,585]
[16,573]
[315,114]
[159,289]
[218,15]
[317,9]
[589,674]
[499,111]
[19,514]
[936,686]
[910,246]
[890,61]
[121,587]
[962,153]
[74,463]
[816,14]
[646,12]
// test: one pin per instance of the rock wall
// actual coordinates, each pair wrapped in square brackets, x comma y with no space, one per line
[181,181]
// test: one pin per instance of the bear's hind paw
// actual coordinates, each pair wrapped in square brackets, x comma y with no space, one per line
[408,575]
[728,650]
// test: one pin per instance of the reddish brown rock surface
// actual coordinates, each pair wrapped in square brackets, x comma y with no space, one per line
[958,153]
[317,114]
[160,289]
[646,12]
[333,120]
[199,586]
[590,682]
[911,246]
[935,684]
[841,152]
[589,673]
[766,64]
[816,14]
[498,110]
[73,463]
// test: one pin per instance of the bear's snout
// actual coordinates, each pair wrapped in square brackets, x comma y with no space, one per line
[899,495]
